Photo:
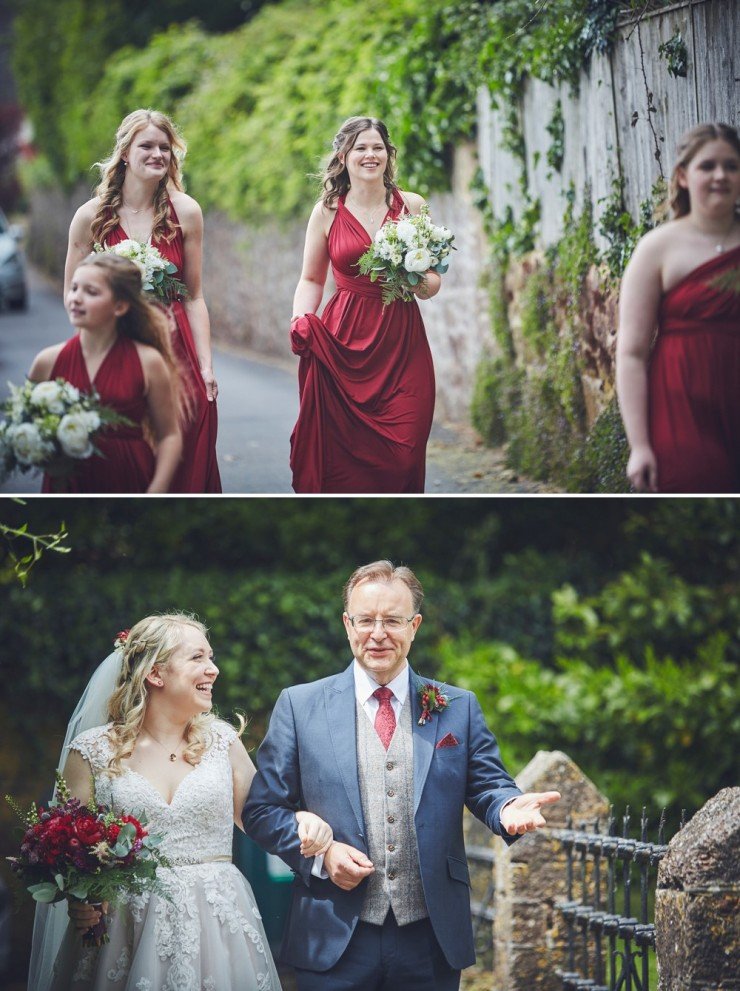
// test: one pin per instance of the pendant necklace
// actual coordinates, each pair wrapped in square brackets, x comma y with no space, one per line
[172,755]
[371,216]
[719,246]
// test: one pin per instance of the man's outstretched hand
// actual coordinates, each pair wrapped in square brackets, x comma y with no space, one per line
[523,814]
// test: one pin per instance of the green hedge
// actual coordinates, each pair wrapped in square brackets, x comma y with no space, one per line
[259,106]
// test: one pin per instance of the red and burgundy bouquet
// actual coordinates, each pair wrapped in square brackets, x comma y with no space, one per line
[85,852]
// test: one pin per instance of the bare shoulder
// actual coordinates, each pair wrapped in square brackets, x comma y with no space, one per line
[43,363]
[652,245]
[322,217]
[188,210]
[414,201]
[151,360]
[323,212]
[86,213]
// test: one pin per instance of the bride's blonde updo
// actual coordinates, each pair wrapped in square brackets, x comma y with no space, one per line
[113,172]
[153,640]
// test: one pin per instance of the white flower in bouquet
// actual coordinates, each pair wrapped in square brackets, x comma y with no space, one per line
[157,272]
[50,425]
[403,251]
[418,260]
[27,444]
[73,434]
[49,396]
[406,232]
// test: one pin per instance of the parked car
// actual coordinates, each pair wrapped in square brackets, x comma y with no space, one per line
[13,287]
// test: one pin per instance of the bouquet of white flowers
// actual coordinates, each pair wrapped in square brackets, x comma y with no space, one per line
[50,426]
[403,250]
[157,273]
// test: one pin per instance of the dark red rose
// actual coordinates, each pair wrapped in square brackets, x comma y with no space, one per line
[89,830]
[112,832]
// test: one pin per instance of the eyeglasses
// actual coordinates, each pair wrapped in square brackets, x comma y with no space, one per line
[391,624]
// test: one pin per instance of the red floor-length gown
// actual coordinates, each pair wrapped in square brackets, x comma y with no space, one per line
[127,462]
[694,381]
[366,381]
[198,468]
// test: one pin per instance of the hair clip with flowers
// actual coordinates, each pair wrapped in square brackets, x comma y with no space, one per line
[121,639]
[432,700]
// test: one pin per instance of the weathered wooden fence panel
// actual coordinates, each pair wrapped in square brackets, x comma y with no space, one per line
[717,60]
[603,137]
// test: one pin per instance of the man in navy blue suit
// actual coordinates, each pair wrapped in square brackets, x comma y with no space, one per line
[389,760]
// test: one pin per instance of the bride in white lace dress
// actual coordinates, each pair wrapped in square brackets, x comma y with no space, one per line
[164,754]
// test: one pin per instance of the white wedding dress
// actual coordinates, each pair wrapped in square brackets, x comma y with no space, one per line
[209,936]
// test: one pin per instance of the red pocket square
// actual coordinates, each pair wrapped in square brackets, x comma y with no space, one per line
[448,741]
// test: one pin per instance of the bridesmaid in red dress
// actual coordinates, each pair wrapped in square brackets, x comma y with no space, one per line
[366,377]
[140,197]
[123,351]
[681,402]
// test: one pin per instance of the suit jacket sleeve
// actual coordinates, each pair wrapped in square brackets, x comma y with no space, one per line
[489,784]
[275,795]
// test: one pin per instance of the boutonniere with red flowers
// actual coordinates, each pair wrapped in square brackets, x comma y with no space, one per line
[432,699]
[121,639]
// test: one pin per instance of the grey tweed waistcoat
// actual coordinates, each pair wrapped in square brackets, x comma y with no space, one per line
[387,791]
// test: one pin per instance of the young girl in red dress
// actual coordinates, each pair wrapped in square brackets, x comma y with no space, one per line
[141,198]
[679,390]
[122,350]
[366,376]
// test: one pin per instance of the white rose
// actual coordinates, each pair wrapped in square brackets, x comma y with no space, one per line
[28,445]
[418,260]
[406,231]
[48,395]
[441,234]
[396,257]
[73,433]
[71,393]
[91,419]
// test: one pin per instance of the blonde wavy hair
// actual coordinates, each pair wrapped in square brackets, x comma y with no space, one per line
[690,145]
[153,640]
[335,179]
[113,172]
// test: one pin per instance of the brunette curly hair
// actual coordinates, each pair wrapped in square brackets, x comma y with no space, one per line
[335,178]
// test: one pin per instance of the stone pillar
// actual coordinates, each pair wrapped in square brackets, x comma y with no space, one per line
[697,905]
[529,934]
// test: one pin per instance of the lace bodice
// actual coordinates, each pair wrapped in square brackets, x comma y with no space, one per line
[197,825]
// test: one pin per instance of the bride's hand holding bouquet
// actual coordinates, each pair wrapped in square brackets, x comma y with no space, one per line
[85,853]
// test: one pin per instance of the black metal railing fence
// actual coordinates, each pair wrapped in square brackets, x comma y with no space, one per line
[610,940]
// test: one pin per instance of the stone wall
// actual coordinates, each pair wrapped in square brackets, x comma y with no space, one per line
[250,274]
[529,935]
[697,904]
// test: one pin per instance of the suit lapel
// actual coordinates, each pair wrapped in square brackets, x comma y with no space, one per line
[425,738]
[341,708]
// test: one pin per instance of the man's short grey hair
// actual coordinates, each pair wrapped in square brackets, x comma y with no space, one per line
[385,571]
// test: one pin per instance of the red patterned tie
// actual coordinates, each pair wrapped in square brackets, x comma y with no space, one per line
[385,717]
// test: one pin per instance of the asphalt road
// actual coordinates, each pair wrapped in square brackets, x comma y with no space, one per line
[258,403]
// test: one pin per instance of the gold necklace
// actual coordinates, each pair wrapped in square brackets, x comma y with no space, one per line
[173,756]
